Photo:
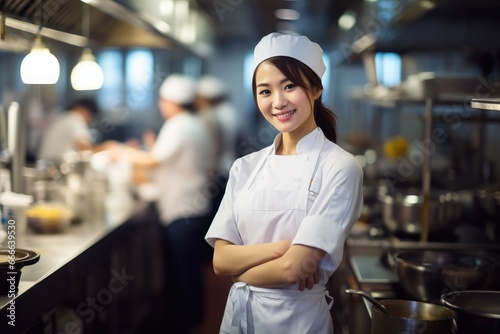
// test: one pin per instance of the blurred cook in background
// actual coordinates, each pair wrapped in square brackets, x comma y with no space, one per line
[180,160]
[69,131]
[213,95]
[214,107]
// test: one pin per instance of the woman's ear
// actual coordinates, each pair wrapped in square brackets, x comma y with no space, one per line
[316,93]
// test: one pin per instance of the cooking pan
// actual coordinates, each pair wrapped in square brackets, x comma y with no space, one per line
[426,274]
[476,311]
[396,316]
[402,210]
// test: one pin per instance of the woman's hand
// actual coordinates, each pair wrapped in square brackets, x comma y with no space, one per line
[309,281]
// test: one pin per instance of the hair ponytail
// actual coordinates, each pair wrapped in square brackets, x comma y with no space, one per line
[326,120]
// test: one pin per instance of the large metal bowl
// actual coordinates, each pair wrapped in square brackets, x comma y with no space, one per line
[409,316]
[426,274]
[402,211]
[474,311]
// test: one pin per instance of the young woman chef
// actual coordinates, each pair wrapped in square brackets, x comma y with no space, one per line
[280,229]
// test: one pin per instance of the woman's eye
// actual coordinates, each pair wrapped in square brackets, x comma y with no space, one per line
[290,86]
[264,92]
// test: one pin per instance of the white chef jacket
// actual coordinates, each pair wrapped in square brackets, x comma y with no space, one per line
[62,135]
[270,197]
[229,124]
[185,152]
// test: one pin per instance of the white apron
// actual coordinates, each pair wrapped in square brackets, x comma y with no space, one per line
[252,310]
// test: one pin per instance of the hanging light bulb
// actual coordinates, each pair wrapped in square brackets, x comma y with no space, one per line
[40,66]
[87,74]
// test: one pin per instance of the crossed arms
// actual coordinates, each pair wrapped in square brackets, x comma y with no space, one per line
[271,264]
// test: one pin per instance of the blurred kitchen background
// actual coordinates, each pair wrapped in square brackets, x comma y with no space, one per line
[401,76]
[375,51]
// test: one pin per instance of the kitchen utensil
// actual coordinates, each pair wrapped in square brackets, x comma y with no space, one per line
[394,316]
[408,316]
[476,311]
[370,299]
[11,263]
[402,209]
[426,274]
[15,145]
[48,217]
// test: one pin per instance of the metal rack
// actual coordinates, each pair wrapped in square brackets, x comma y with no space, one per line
[455,92]
[486,104]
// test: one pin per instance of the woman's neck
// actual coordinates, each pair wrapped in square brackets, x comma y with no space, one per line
[289,141]
[287,146]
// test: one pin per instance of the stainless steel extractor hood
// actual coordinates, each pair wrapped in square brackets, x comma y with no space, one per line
[111,23]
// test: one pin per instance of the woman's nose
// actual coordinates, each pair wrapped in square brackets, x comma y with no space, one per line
[279,101]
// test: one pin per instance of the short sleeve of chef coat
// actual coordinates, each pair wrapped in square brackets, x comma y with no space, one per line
[336,208]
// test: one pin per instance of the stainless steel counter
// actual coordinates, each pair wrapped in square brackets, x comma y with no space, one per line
[69,261]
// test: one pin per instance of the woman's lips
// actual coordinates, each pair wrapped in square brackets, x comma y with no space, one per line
[285,116]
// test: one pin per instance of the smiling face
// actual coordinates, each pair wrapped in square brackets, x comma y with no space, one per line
[284,104]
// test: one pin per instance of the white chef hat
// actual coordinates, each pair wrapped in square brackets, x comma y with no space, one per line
[211,87]
[298,47]
[178,88]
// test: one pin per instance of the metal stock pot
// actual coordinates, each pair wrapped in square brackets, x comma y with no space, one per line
[402,209]
[475,311]
[426,274]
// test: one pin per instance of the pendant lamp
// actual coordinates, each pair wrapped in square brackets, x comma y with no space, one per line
[87,74]
[40,66]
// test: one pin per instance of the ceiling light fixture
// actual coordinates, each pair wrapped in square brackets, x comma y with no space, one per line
[287,14]
[87,74]
[347,20]
[427,4]
[40,66]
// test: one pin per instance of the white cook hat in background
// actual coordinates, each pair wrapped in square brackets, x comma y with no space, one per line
[178,88]
[211,87]
[298,47]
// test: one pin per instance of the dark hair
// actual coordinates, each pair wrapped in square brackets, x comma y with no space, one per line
[296,71]
[86,103]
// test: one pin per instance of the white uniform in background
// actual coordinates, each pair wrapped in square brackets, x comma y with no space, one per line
[312,198]
[229,125]
[184,151]
[62,135]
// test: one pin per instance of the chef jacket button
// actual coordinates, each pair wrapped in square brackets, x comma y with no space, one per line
[261,178]
[297,179]
[307,158]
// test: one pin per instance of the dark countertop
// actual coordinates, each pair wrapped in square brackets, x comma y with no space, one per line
[53,278]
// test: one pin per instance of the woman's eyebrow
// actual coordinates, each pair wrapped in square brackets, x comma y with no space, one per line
[266,84]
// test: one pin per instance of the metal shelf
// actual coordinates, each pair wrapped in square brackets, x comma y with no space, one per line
[486,104]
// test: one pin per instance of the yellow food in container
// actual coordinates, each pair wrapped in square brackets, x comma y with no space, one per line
[396,147]
[48,217]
